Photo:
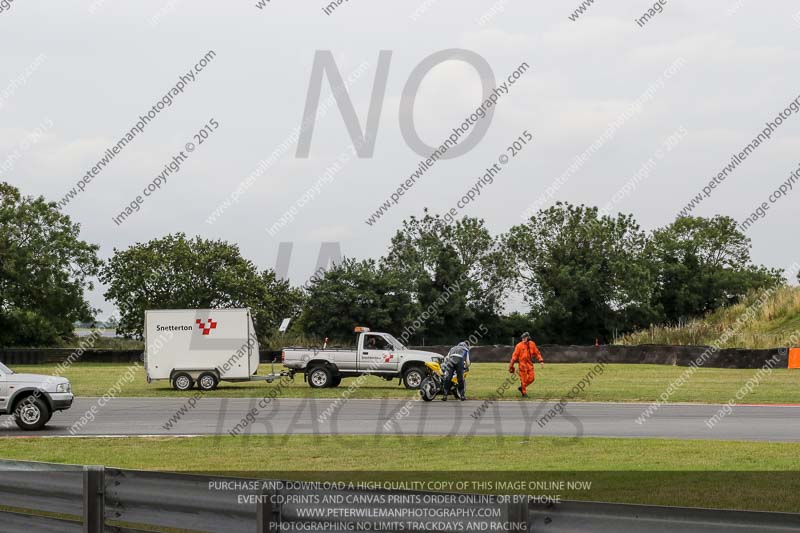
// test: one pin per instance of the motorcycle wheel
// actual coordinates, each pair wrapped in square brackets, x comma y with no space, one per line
[428,389]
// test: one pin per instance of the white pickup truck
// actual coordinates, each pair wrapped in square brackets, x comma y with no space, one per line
[378,354]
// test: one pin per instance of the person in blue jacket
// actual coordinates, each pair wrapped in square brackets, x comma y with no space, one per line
[457,360]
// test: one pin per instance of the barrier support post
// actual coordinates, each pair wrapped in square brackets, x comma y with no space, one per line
[266,515]
[94,499]
[518,510]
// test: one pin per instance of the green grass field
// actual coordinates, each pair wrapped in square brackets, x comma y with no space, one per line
[733,475]
[618,383]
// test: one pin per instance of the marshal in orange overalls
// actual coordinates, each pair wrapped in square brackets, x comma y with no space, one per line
[523,354]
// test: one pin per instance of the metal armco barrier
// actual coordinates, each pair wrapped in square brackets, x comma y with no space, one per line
[44,487]
[571,517]
[175,501]
[87,498]
[14,523]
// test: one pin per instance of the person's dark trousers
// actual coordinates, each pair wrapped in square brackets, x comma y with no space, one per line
[455,366]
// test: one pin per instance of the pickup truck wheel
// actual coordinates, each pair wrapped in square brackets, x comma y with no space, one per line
[336,381]
[182,382]
[413,376]
[31,414]
[207,381]
[320,377]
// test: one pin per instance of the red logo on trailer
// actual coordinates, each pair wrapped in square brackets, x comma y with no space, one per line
[206,327]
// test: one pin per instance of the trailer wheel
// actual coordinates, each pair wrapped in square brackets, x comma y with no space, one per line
[182,382]
[320,377]
[413,376]
[207,381]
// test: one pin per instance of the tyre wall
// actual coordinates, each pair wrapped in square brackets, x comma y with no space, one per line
[652,354]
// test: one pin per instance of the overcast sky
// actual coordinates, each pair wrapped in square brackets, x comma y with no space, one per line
[86,70]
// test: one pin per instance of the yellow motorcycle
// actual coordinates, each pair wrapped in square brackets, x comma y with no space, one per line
[433,384]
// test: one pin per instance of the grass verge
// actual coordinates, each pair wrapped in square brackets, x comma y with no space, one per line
[731,475]
[618,383]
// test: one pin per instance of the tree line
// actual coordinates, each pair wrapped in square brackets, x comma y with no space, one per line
[583,275]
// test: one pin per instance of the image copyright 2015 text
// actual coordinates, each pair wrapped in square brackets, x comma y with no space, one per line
[169,169]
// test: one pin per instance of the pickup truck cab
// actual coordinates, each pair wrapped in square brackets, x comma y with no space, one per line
[376,353]
[32,398]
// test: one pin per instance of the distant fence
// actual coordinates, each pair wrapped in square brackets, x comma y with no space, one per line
[41,356]
[96,499]
[653,354]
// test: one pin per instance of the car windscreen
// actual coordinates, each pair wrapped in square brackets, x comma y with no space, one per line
[5,370]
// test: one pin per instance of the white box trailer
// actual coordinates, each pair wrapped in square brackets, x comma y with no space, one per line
[202,346]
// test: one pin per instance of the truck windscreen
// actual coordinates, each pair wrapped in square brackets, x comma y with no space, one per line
[396,343]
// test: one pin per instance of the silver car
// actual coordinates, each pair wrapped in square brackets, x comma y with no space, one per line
[32,398]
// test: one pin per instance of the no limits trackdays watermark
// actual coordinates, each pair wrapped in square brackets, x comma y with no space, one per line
[126,378]
[242,352]
[265,416]
[327,178]
[462,138]
[251,416]
[281,149]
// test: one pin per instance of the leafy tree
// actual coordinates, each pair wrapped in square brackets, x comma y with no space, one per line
[174,272]
[457,269]
[44,270]
[583,274]
[702,264]
[508,328]
[356,293]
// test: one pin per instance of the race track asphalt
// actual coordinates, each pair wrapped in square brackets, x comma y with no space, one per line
[212,416]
